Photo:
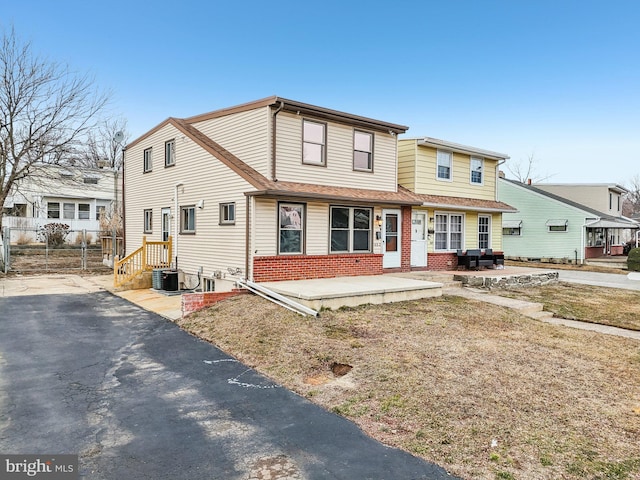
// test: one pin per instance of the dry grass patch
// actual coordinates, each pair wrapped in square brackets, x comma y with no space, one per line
[607,306]
[473,387]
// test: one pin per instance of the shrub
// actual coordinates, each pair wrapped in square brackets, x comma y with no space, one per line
[633,261]
[54,234]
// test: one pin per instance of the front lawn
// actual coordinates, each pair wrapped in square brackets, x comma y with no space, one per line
[476,388]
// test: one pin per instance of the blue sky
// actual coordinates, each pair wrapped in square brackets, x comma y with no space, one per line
[558,80]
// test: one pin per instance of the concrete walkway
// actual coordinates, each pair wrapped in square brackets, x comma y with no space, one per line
[611,280]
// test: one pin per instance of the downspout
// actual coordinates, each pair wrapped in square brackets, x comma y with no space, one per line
[176,220]
[273,142]
[247,246]
[124,224]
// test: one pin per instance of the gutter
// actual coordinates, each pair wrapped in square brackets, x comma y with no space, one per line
[273,141]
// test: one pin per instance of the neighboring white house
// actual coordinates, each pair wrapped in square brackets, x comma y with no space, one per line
[75,196]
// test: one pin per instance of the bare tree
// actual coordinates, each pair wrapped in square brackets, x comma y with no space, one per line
[525,171]
[46,111]
[103,148]
[631,201]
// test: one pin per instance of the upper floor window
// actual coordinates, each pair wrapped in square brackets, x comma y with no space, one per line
[314,136]
[169,153]
[147,160]
[618,202]
[444,160]
[227,213]
[477,166]
[291,227]
[610,200]
[91,180]
[188,219]
[362,151]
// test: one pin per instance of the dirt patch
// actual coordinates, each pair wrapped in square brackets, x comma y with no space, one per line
[476,388]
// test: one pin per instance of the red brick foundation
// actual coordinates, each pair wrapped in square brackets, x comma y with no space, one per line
[442,261]
[302,267]
[192,302]
[405,254]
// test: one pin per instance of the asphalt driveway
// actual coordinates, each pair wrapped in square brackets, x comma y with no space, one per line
[138,398]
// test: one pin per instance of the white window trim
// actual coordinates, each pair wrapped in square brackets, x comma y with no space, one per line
[519,234]
[450,153]
[481,182]
[88,212]
[488,232]
[463,224]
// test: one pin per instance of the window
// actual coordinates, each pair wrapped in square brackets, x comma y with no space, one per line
[148,221]
[618,197]
[69,211]
[557,225]
[444,160]
[18,210]
[477,166]
[511,231]
[148,164]
[227,213]
[448,231]
[91,180]
[350,229]
[610,200]
[313,143]
[188,219]
[512,228]
[101,211]
[290,227]
[363,151]
[53,210]
[84,211]
[484,227]
[169,153]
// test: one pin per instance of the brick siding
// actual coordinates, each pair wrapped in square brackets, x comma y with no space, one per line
[301,267]
[192,302]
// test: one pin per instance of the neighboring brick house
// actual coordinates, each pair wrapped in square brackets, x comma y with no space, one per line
[459,208]
[273,189]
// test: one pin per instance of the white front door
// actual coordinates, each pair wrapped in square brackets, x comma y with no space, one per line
[391,238]
[418,239]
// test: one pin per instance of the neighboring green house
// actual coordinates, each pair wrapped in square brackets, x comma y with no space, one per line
[548,226]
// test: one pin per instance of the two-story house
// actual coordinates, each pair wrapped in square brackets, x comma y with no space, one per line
[274,189]
[564,222]
[75,196]
[459,208]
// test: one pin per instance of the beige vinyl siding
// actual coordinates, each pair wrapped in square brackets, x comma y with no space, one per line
[407,150]
[245,134]
[265,237]
[339,157]
[460,186]
[213,247]
[593,196]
